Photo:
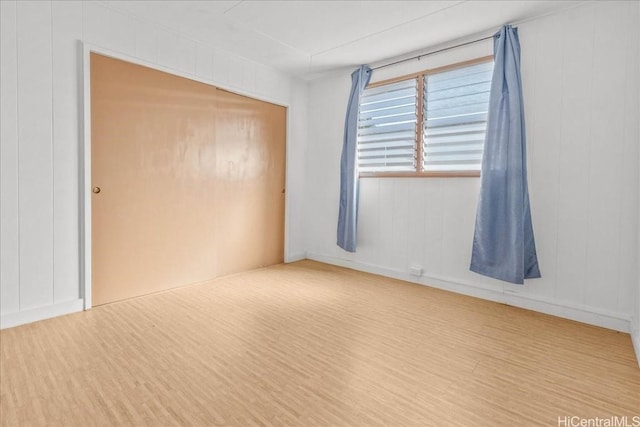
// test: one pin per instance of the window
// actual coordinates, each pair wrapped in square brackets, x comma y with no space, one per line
[387,127]
[430,123]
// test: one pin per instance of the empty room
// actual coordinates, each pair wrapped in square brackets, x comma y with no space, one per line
[319,213]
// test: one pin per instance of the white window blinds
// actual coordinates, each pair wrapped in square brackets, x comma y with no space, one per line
[455,117]
[387,128]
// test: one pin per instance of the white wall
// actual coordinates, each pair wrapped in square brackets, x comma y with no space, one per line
[580,76]
[635,324]
[40,114]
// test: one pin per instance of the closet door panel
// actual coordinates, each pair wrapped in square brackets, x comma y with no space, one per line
[250,164]
[153,163]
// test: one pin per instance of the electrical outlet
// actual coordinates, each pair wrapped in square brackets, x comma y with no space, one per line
[415,271]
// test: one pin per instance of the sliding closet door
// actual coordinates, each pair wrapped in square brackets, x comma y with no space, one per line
[250,161]
[164,213]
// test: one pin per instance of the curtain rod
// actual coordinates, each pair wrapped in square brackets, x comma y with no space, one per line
[431,53]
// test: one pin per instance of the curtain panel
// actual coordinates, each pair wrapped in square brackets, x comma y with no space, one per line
[348,211]
[503,243]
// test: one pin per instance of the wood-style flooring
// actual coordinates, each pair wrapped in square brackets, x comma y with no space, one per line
[307,344]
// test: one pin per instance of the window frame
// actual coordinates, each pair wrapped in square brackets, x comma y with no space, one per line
[419,76]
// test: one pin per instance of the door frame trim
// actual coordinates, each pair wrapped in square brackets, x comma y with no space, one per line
[85,152]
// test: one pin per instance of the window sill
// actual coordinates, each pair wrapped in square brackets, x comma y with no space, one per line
[452,174]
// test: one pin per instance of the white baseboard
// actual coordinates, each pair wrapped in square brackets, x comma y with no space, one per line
[10,320]
[590,315]
[295,257]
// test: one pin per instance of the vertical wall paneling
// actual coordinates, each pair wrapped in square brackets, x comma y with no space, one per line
[169,49]
[248,76]
[605,191]
[325,145]
[146,41]
[459,204]
[415,221]
[368,217]
[574,185]
[297,126]
[96,24]
[122,32]
[67,30]
[9,184]
[235,71]
[35,154]
[629,213]
[629,299]
[221,67]
[432,219]
[187,50]
[385,222]
[204,61]
[268,79]
[259,82]
[401,228]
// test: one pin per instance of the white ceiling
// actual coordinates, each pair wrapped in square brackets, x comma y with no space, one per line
[310,38]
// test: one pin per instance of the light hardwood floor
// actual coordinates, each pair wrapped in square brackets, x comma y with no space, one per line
[308,344]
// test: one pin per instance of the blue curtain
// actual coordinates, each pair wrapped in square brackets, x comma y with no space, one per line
[348,213]
[503,243]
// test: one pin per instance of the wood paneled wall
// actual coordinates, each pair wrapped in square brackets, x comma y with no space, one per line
[580,76]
